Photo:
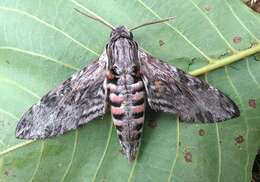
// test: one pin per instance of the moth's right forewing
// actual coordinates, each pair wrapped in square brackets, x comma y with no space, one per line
[170,89]
[78,100]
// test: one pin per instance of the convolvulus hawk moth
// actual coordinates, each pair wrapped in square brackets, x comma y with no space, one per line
[126,78]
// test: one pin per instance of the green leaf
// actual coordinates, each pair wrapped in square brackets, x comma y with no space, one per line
[43,42]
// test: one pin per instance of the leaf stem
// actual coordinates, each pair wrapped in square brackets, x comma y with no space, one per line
[226,61]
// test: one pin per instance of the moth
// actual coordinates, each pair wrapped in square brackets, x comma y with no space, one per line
[127,79]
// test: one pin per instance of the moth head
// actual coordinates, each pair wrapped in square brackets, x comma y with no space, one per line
[121,32]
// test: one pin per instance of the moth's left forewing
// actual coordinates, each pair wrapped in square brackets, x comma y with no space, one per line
[76,101]
[170,89]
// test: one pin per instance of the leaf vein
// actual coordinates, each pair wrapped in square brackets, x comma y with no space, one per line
[240,21]
[177,150]
[39,55]
[251,74]
[177,31]
[72,156]
[39,161]
[219,153]
[20,86]
[9,114]
[15,147]
[214,26]
[104,153]
[49,26]
[219,145]
[246,121]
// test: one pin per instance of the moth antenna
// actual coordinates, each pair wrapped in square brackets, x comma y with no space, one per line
[153,22]
[95,18]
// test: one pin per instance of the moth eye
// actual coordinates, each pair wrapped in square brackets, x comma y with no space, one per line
[114,70]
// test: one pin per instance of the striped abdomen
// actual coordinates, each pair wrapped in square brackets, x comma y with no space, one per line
[127,100]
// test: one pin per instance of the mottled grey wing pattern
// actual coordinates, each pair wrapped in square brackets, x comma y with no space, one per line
[78,100]
[170,89]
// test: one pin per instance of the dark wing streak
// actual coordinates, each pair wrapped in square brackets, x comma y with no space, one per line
[78,100]
[170,89]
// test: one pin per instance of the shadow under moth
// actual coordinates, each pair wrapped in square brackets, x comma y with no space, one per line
[127,79]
